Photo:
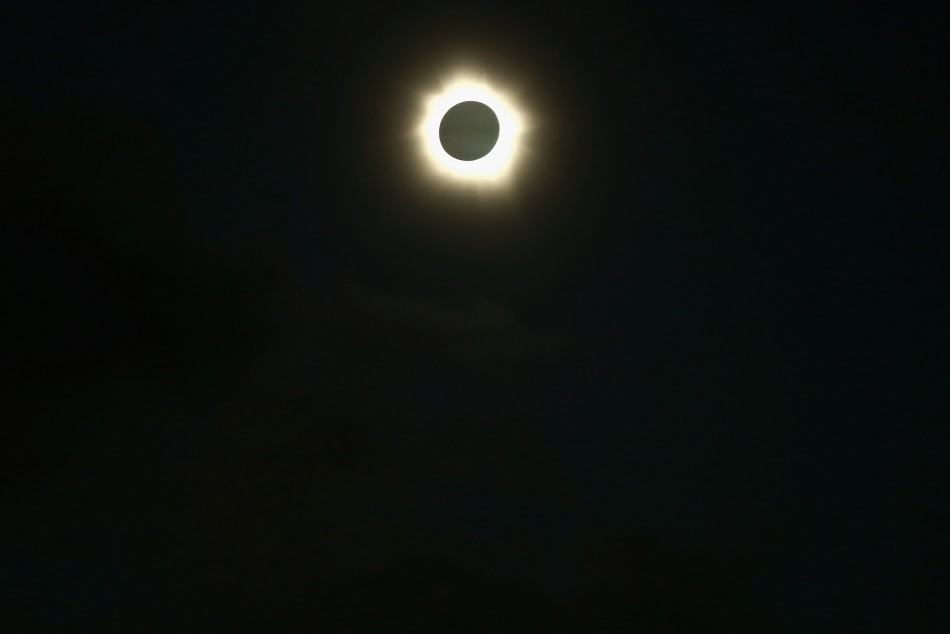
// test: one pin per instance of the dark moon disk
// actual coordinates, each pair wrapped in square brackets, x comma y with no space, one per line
[469,130]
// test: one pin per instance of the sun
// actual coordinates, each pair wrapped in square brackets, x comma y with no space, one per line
[496,168]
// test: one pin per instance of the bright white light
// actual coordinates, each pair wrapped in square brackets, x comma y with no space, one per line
[496,167]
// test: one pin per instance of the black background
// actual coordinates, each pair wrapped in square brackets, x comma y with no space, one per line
[264,375]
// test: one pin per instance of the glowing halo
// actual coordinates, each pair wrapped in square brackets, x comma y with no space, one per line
[496,167]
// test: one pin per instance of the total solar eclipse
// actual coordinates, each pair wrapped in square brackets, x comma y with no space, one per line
[469,130]
[472,132]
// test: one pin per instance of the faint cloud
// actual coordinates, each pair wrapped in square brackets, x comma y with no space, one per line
[478,316]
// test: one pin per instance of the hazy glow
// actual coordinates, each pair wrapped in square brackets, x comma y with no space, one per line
[496,167]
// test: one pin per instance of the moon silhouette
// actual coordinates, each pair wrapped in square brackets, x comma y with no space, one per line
[469,130]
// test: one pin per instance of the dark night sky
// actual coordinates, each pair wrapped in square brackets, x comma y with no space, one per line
[263,377]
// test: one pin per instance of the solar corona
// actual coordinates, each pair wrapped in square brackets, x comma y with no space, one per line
[471,133]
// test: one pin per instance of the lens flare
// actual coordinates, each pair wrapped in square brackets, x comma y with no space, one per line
[496,168]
